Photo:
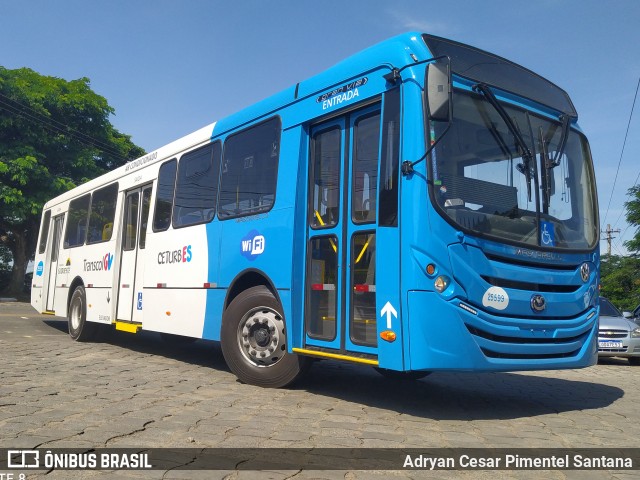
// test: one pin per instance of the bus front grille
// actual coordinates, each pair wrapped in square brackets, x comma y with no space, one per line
[523,340]
[536,287]
[528,356]
[532,348]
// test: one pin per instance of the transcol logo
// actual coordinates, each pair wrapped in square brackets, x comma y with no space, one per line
[107,261]
[99,265]
[252,245]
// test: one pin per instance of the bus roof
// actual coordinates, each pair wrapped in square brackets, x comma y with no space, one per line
[396,52]
[172,149]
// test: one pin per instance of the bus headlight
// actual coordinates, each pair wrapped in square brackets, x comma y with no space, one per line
[441,283]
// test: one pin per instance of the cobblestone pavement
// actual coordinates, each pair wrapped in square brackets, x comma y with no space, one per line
[137,391]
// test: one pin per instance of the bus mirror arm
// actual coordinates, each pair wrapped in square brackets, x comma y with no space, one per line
[407,165]
[439,102]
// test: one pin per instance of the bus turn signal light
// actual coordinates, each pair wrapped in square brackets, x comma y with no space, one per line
[388,335]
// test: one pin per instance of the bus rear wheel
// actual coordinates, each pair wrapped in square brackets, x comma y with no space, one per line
[79,329]
[254,341]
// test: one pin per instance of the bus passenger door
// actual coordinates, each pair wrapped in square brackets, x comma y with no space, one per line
[134,232]
[58,223]
[340,289]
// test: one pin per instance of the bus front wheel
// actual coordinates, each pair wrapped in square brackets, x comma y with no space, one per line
[254,342]
[79,329]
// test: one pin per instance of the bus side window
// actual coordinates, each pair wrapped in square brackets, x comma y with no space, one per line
[76,231]
[164,195]
[102,214]
[44,232]
[197,186]
[250,170]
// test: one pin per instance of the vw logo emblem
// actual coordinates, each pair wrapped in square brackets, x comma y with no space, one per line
[585,271]
[538,303]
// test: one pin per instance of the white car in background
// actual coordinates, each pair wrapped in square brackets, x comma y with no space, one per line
[617,336]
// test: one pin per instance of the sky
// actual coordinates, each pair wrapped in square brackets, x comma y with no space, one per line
[169,67]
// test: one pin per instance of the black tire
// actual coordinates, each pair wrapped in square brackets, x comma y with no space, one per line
[79,329]
[635,361]
[398,376]
[253,341]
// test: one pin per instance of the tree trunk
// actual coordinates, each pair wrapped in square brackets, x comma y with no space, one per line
[19,251]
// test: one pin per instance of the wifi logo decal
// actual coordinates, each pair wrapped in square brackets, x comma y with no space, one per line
[252,245]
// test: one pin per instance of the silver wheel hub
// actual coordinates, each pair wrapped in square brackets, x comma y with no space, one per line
[76,314]
[261,336]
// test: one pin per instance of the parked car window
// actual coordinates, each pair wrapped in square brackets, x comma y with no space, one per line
[607,309]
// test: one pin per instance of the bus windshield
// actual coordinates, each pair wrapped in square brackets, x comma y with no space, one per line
[488,184]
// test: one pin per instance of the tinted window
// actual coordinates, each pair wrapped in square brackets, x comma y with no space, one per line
[363,292]
[197,186]
[77,222]
[249,170]
[326,178]
[366,145]
[321,288]
[607,309]
[57,234]
[130,226]
[103,211]
[390,159]
[164,196]
[485,67]
[44,231]
[146,201]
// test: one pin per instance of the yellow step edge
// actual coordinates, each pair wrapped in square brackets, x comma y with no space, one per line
[128,327]
[335,356]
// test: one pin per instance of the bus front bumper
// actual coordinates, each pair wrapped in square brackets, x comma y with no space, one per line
[445,336]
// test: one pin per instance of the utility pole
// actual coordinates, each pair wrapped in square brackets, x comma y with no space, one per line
[609,237]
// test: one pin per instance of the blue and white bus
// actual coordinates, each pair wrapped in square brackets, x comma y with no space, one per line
[421,206]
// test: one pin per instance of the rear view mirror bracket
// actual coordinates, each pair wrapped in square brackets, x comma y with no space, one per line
[439,102]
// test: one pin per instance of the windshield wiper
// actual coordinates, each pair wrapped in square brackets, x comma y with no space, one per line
[547,178]
[549,164]
[527,156]
[563,141]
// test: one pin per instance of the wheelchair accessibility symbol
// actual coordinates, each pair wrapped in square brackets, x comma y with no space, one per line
[547,234]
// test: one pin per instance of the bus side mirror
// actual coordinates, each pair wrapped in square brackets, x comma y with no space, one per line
[439,91]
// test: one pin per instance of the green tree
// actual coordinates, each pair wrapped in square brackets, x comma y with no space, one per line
[54,135]
[633,218]
[620,280]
